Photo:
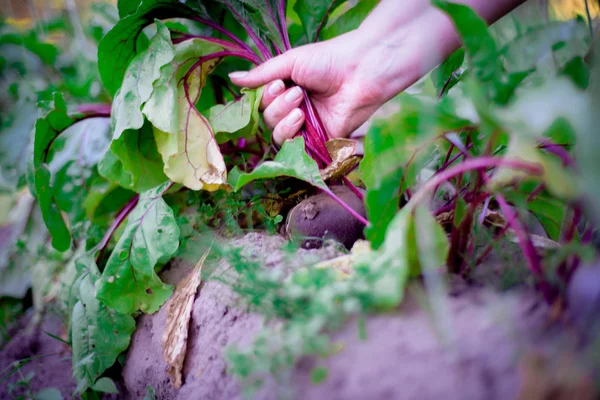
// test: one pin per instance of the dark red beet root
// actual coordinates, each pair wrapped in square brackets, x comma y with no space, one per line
[319,217]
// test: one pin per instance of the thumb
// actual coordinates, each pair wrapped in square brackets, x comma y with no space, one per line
[280,67]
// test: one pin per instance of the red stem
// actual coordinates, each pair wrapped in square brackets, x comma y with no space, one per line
[121,216]
[469,165]
[347,207]
[224,31]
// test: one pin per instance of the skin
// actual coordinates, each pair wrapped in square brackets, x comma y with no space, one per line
[351,76]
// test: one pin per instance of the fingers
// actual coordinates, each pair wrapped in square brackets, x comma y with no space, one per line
[281,106]
[280,67]
[289,126]
[274,89]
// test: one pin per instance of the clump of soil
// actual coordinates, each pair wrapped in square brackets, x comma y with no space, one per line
[481,348]
[472,354]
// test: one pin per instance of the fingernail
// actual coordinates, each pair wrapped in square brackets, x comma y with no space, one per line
[293,95]
[294,117]
[276,88]
[238,74]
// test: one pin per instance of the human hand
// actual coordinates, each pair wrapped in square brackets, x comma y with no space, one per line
[348,78]
[331,72]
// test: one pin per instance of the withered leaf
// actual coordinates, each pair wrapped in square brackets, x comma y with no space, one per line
[179,312]
[343,156]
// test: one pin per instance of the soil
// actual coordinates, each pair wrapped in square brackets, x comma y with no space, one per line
[482,350]
[52,366]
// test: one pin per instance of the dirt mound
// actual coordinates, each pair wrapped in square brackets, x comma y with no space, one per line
[473,354]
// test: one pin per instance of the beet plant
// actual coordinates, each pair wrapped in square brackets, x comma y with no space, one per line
[491,142]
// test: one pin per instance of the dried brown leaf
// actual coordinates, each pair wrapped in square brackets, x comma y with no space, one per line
[179,312]
[343,156]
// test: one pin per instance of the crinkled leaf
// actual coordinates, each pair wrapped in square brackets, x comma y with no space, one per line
[118,47]
[129,282]
[141,74]
[390,145]
[343,158]
[133,161]
[98,333]
[238,118]
[291,160]
[314,15]
[349,20]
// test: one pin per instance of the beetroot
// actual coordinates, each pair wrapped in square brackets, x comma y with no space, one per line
[320,217]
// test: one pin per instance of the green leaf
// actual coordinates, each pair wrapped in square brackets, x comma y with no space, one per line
[118,47]
[133,161]
[129,282]
[48,394]
[539,45]
[314,15]
[430,240]
[259,18]
[98,334]
[446,75]
[318,375]
[349,20]
[479,45]
[105,385]
[104,198]
[556,177]
[390,145]
[15,142]
[75,155]
[138,82]
[127,7]
[578,71]
[238,118]
[47,52]
[71,163]
[413,241]
[291,161]
[162,109]
[588,143]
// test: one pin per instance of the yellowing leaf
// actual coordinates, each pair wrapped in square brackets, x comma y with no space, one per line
[179,310]
[192,156]
[343,158]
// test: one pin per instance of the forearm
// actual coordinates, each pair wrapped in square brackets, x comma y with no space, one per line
[414,36]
